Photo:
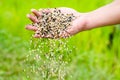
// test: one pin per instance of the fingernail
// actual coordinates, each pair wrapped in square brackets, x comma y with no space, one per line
[26,27]
[28,15]
[40,9]
[36,36]
[32,10]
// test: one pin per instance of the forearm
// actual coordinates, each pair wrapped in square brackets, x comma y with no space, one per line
[107,15]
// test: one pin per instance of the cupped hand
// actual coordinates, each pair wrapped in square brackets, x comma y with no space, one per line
[77,25]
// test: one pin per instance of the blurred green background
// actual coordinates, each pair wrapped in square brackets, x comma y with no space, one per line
[96,55]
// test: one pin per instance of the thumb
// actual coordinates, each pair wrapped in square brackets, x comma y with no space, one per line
[78,25]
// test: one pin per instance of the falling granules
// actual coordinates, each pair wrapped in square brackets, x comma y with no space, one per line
[53,23]
[48,59]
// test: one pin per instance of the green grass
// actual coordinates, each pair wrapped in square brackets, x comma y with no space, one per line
[94,56]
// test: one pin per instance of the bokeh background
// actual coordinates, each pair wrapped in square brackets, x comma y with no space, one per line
[96,55]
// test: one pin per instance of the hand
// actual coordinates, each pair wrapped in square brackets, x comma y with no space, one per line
[79,24]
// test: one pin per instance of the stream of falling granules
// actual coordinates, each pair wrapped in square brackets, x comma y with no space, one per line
[52,23]
[48,58]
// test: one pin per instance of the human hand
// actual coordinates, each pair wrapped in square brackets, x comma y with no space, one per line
[77,25]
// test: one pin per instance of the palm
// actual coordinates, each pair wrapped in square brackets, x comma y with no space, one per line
[78,24]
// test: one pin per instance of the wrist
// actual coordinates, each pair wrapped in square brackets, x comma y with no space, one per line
[91,20]
[88,22]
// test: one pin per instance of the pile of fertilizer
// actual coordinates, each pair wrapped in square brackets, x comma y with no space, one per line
[53,23]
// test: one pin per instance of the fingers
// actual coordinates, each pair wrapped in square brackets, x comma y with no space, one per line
[32,18]
[30,27]
[37,36]
[36,12]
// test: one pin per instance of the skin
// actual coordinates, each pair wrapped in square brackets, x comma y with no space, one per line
[106,15]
